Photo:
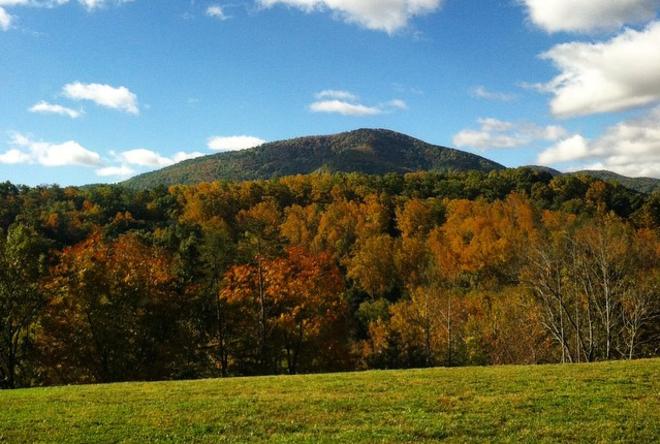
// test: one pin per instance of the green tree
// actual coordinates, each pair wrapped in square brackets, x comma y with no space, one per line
[22,263]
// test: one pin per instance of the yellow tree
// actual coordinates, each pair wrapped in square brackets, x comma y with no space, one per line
[372,265]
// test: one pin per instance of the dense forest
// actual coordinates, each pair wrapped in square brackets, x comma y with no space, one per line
[324,272]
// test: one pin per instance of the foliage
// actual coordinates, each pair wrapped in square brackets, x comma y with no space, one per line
[324,272]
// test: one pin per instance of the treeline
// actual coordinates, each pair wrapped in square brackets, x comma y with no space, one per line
[324,273]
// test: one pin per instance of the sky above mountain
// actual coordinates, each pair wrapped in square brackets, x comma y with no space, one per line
[100,90]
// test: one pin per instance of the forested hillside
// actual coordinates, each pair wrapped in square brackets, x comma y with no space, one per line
[324,272]
[642,184]
[370,151]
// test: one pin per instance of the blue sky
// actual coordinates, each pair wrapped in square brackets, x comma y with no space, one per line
[98,90]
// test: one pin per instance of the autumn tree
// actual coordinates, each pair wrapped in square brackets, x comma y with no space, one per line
[114,313]
[308,290]
[22,264]
[372,265]
[296,300]
[596,286]
[260,243]
[424,325]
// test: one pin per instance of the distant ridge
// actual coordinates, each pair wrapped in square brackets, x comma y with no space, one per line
[370,151]
[641,184]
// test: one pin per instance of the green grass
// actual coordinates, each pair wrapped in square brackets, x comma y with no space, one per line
[605,402]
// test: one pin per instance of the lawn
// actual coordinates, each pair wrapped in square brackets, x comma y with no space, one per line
[604,402]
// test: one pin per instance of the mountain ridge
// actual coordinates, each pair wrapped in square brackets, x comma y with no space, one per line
[641,184]
[369,151]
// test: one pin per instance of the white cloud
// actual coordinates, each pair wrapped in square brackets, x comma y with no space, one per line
[619,74]
[348,104]
[95,4]
[334,94]
[144,157]
[50,108]
[233,143]
[148,158]
[14,156]
[380,15]
[574,148]
[181,156]
[481,92]
[141,157]
[494,133]
[5,19]
[115,171]
[25,150]
[589,15]
[631,148]
[217,12]
[119,98]
[344,108]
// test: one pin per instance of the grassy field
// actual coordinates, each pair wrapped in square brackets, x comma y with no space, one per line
[605,402]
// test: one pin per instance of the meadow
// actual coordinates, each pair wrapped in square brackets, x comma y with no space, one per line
[601,402]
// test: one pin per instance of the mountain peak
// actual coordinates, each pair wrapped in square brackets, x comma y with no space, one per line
[364,150]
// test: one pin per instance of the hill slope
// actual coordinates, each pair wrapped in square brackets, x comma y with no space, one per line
[641,184]
[371,151]
[604,402]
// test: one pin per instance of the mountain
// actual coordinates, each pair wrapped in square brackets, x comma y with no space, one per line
[641,184]
[543,169]
[371,151]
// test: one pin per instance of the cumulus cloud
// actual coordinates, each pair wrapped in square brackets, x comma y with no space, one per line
[143,159]
[589,15]
[348,104]
[119,98]
[5,19]
[217,12]
[631,148]
[344,108]
[233,143]
[115,171]
[573,148]
[619,74]
[148,158]
[481,92]
[50,108]
[25,150]
[14,156]
[494,133]
[389,15]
